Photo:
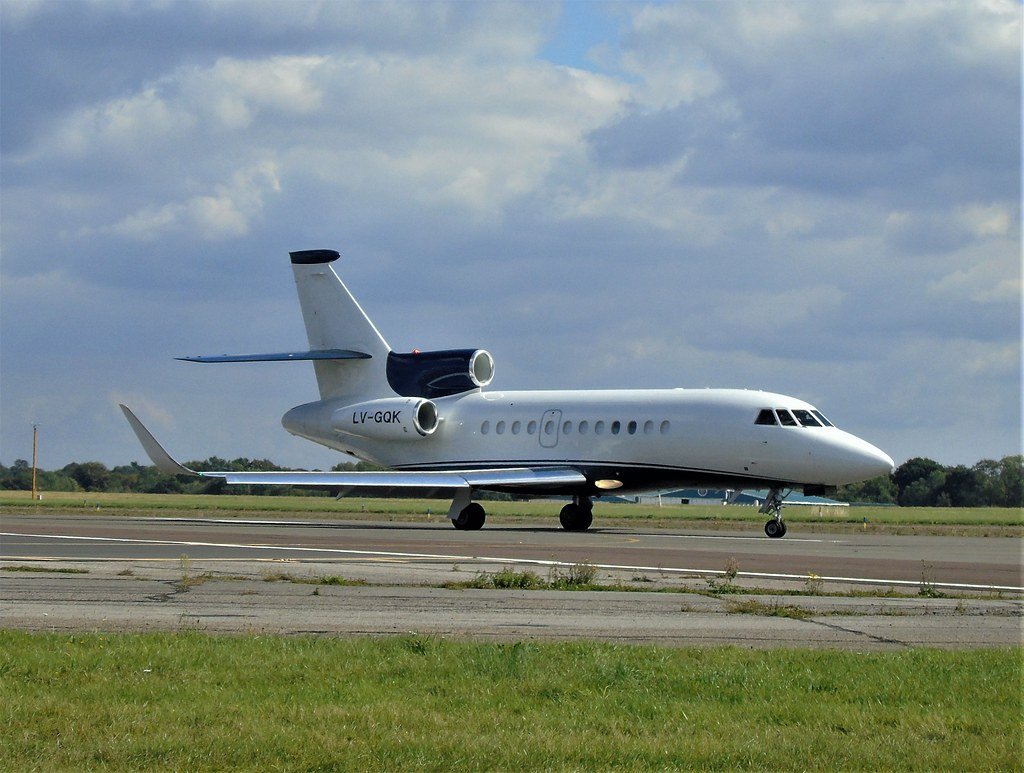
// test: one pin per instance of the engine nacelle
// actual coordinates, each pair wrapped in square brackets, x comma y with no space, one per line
[439,374]
[392,418]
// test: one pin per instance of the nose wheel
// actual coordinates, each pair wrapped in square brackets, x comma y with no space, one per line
[776,527]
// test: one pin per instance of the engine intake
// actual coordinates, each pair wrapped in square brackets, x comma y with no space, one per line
[441,373]
[392,418]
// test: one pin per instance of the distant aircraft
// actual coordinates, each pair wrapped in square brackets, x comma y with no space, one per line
[427,417]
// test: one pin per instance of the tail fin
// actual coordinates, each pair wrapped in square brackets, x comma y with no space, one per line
[334,320]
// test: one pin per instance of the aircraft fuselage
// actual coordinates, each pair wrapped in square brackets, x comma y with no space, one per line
[622,440]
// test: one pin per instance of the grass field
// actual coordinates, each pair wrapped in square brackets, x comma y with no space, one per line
[605,513]
[198,702]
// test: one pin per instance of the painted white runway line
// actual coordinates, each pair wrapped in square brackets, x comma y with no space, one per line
[508,560]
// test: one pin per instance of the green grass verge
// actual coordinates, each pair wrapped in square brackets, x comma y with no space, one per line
[606,513]
[196,702]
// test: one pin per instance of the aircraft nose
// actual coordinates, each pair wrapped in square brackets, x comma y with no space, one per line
[880,461]
[868,461]
[856,460]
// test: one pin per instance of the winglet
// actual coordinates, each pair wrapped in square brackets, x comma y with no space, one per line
[163,460]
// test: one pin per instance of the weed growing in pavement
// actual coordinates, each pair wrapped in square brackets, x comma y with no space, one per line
[732,568]
[582,575]
[725,584]
[575,577]
[772,609]
[43,569]
[927,587]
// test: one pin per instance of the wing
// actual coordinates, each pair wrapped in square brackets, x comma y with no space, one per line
[427,484]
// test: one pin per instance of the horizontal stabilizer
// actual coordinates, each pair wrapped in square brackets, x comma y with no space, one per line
[314,354]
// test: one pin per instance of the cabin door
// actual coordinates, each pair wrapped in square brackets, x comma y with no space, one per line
[550,424]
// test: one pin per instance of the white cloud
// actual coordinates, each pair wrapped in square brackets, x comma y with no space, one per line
[476,137]
[835,97]
[233,93]
[224,214]
[983,282]
[986,220]
[128,125]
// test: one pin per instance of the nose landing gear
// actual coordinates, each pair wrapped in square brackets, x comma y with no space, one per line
[776,527]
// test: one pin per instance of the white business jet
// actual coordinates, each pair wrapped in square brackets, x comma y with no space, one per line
[427,418]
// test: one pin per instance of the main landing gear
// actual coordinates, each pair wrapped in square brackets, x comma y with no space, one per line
[578,515]
[470,518]
[776,527]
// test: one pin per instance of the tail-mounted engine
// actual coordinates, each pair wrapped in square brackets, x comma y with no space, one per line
[392,418]
[439,374]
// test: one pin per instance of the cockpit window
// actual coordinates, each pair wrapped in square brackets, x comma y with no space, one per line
[797,417]
[822,418]
[786,418]
[806,418]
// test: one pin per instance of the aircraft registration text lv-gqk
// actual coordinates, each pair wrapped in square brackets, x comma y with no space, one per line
[427,418]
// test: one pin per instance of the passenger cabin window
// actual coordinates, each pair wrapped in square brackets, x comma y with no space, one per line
[766,417]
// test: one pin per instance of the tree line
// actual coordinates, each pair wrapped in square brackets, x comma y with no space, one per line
[918,482]
[923,482]
[146,479]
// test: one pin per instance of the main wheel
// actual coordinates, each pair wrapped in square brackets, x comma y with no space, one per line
[774,528]
[576,518]
[471,518]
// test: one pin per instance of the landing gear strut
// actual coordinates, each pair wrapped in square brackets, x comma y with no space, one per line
[776,527]
[577,516]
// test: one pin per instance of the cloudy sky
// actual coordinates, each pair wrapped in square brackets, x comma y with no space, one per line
[819,199]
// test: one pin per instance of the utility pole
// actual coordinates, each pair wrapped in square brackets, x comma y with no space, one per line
[35,446]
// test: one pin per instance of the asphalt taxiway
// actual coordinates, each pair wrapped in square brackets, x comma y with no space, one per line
[234,575]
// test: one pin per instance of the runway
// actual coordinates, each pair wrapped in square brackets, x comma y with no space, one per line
[141,574]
